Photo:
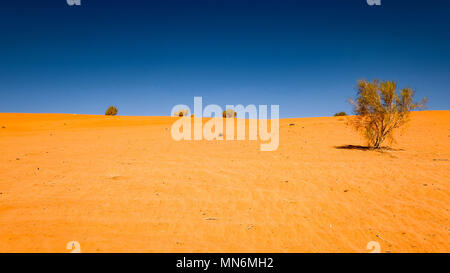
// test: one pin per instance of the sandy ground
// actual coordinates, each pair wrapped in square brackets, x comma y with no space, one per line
[121,184]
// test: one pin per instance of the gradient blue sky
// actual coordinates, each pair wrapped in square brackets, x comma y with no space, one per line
[147,56]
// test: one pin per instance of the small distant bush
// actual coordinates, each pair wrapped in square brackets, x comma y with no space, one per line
[111,111]
[181,113]
[229,113]
[380,110]
[340,114]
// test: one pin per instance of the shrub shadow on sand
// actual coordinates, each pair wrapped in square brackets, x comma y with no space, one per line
[365,148]
[353,147]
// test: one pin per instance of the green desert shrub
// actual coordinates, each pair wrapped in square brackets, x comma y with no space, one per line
[340,114]
[181,113]
[229,113]
[380,110]
[111,111]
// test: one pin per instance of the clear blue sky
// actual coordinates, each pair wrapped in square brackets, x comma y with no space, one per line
[147,56]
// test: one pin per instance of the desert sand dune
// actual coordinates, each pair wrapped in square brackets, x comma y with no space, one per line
[121,184]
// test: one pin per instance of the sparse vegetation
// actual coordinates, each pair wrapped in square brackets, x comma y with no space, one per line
[229,113]
[111,111]
[340,114]
[380,110]
[181,113]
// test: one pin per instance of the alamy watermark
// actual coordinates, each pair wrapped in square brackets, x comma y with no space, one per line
[373,2]
[73,2]
[213,128]
[74,246]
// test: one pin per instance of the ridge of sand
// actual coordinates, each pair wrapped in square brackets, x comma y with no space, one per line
[121,184]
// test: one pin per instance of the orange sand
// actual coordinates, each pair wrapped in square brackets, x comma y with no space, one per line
[121,184]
